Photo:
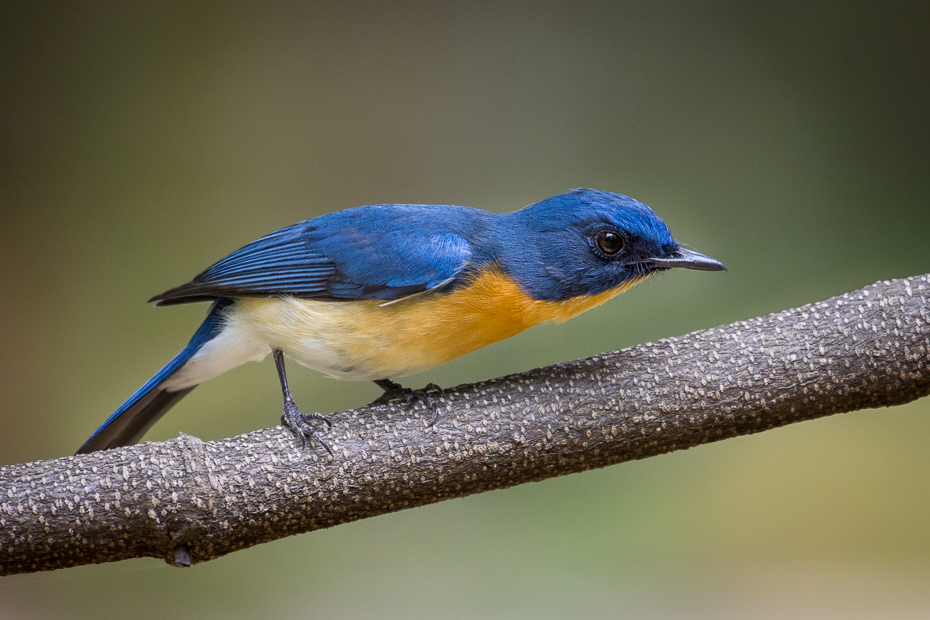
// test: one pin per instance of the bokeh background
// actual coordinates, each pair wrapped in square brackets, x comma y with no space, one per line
[142,141]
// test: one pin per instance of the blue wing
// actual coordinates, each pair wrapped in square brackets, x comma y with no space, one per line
[376,252]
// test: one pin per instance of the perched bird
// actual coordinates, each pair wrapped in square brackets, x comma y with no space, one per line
[391,290]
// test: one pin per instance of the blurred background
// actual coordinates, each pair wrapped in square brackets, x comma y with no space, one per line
[140,142]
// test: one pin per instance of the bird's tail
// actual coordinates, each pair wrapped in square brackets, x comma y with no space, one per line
[150,402]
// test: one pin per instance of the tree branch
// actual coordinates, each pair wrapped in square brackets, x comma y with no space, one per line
[188,501]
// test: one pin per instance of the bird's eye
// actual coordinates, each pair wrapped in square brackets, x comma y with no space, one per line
[609,242]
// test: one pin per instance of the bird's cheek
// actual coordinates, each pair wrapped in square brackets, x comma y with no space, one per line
[619,275]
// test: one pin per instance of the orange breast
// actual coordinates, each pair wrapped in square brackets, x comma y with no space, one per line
[371,340]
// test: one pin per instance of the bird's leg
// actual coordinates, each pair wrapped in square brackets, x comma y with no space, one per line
[292,417]
[395,392]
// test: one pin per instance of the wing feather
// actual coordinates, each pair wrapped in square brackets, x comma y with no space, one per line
[363,253]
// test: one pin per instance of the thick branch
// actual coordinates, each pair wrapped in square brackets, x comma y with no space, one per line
[189,501]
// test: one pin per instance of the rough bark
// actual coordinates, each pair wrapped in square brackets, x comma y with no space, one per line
[188,501]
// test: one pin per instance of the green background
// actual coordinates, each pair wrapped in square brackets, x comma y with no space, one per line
[791,140]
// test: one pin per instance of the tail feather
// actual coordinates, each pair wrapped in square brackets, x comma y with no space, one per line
[150,402]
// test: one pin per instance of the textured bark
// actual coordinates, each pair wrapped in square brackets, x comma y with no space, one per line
[188,501]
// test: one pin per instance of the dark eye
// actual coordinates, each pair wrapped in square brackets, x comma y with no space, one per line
[609,242]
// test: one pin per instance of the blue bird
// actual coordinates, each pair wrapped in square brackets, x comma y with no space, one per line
[391,290]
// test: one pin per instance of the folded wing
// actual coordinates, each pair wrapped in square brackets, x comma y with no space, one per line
[365,253]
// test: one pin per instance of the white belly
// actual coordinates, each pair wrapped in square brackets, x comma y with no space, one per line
[354,341]
[324,336]
[366,340]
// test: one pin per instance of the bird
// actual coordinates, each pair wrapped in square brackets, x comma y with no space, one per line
[390,290]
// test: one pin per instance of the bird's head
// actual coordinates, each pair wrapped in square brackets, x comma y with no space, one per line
[586,242]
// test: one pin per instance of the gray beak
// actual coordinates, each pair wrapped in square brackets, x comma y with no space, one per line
[689,259]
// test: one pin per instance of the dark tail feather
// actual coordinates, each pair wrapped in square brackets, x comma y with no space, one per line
[150,402]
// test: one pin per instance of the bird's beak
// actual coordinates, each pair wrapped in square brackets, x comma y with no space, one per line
[689,259]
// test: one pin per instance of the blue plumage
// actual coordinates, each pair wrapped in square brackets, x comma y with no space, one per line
[374,252]
[150,402]
[550,251]
[498,274]
[391,251]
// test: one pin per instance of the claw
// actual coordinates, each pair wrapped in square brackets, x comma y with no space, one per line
[299,423]
[394,392]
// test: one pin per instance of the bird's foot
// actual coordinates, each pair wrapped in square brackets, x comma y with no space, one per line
[395,392]
[299,423]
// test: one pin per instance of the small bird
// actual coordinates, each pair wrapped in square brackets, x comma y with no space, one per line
[391,290]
